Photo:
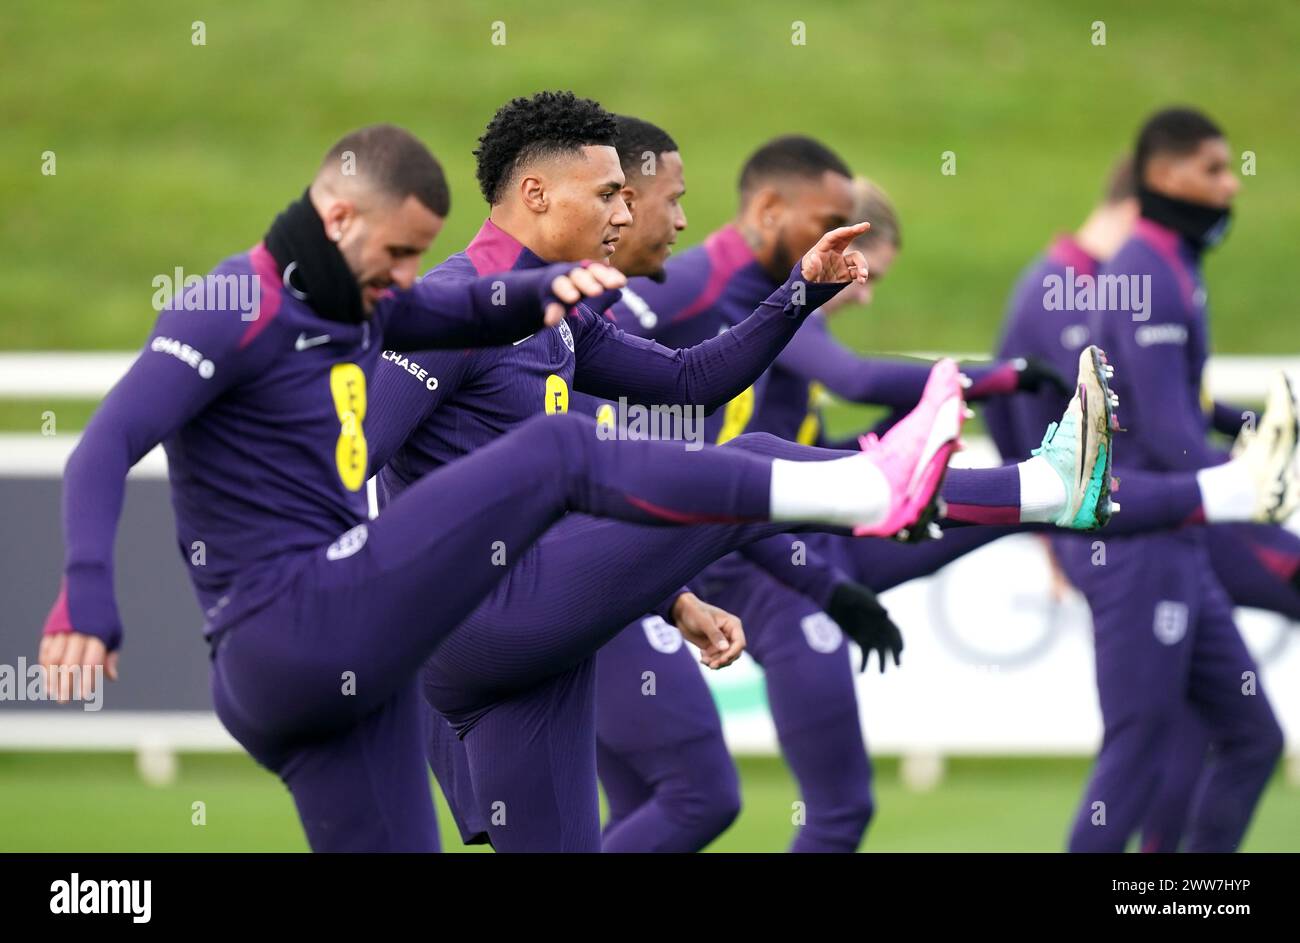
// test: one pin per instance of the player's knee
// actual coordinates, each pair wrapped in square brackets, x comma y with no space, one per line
[557,430]
[763,443]
[1265,741]
[848,814]
[709,814]
[864,810]
[557,441]
[706,800]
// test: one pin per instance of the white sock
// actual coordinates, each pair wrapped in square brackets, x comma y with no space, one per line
[1042,493]
[844,491]
[1227,492]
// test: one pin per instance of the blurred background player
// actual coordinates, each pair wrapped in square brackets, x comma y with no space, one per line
[1163,624]
[667,775]
[807,589]
[657,800]
[1256,563]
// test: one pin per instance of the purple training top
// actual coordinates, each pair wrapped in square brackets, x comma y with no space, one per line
[1159,350]
[264,422]
[433,406]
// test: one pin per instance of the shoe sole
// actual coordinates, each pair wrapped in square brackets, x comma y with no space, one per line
[1108,424]
[945,433]
[1289,496]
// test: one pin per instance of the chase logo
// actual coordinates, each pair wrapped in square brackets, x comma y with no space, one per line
[185,354]
[1170,623]
[637,305]
[661,636]
[348,544]
[821,632]
[1152,334]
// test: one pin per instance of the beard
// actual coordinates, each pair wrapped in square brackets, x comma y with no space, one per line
[783,258]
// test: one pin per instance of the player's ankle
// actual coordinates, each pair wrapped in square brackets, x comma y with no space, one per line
[1229,492]
[1043,494]
[846,492]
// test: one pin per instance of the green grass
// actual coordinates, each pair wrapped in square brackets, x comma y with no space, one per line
[29,415]
[170,154]
[95,802]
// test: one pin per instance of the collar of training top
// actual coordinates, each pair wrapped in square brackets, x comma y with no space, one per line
[312,266]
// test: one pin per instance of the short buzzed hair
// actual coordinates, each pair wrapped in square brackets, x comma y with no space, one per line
[526,129]
[1177,131]
[792,155]
[872,204]
[394,162]
[636,138]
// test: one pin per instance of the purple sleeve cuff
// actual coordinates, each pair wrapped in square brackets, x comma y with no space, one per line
[999,379]
[665,609]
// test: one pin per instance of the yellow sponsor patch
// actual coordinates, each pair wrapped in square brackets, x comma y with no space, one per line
[348,387]
[557,395]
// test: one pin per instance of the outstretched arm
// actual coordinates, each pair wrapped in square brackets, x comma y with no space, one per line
[1228,419]
[612,363]
[787,559]
[815,354]
[497,309]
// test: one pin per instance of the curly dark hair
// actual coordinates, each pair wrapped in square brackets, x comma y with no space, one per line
[525,129]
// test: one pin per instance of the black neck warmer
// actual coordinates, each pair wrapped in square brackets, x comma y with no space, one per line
[1203,226]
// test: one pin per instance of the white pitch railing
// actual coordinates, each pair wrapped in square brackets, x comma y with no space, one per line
[80,375]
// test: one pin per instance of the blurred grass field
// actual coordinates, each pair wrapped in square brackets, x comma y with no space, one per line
[170,154]
[994,804]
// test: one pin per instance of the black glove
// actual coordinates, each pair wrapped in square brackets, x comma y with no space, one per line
[1033,375]
[860,615]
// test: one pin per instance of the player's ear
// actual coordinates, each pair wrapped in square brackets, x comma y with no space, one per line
[1161,173]
[532,192]
[338,215]
[768,207]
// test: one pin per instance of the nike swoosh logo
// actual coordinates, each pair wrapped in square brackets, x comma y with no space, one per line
[522,339]
[303,341]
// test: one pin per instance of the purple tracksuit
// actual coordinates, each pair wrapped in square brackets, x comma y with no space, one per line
[515,682]
[809,678]
[316,618]
[1255,564]
[1164,635]
[706,292]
